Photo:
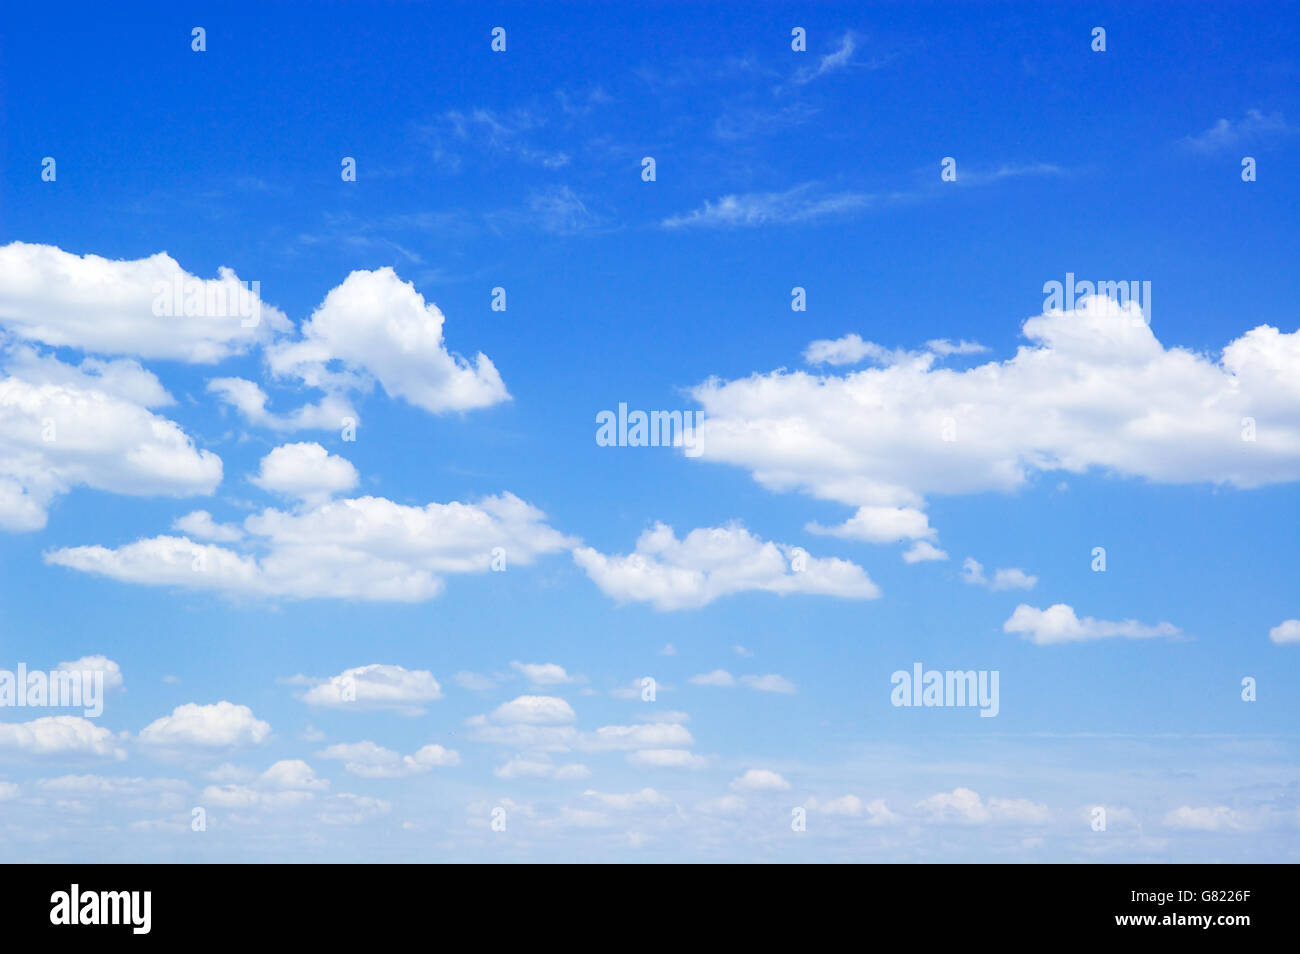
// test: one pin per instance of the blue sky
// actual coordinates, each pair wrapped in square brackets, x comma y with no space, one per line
[774,169]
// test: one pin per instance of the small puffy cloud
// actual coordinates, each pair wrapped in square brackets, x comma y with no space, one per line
[923,552]
[768,683]
[545,674]
[722,679]
[193,726]
[111,670]
[656,735]
[759,780]
[375,327]
[376,686]
[60,736]
[305,471]
[719,677]
[200,525]
[666,758]
[1059,624]
[534,710]
[1287,631]
[1012,578]
[876,811]
[367,760]
[292,775]
[250,401]
[966,806]
[713,562]
[645,798]
[540,767]
[880,525]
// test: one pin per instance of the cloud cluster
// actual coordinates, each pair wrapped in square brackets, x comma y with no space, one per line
[714,562]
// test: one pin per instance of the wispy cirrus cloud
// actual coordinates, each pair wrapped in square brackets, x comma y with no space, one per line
[1226,133]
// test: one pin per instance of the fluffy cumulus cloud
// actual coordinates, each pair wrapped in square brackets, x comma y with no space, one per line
[376,327]
[91,425]
[1060,624]
[1010,578]
[876,812]
[367,548]
[305,471]
[376,686]
[220,726]
[102,664]
[713,562]
[760,780]
[1094,388]
[60,736]
[368,760]
[112,307]
[1287,631]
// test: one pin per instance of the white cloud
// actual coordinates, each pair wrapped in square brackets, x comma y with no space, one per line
[540,767]
[1012,578]
[1059,624]
[1211,818]
[77,429]
[837,59]
[367,548]
[306,471]
[248,398]
[1093,389]
[201,525]
[713,562]
[768,683]
[666,758]
[368,760]
[105,306]
[348,809]
[60,735]
[545,674]
[718,677]
[626,801]
[292,775]
[111,670]
[194,726]
[923,551]
[881,525]
[1287,631]
[376,686]
[380,328]
[534,710]
[803,203]
[759,780]
[876,811]
[965,805]
[1228,134]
